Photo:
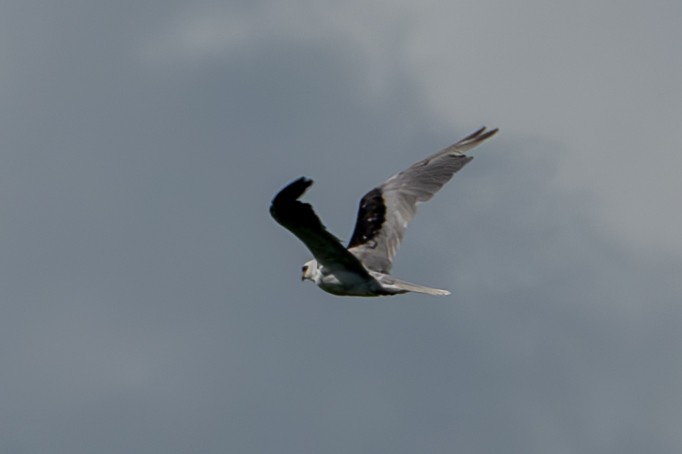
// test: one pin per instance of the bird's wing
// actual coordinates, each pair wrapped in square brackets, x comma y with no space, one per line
[386,210]
[300,219]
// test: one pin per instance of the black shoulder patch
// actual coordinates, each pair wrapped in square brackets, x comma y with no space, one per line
[371,217]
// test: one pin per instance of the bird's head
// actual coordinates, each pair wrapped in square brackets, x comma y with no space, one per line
[309,270]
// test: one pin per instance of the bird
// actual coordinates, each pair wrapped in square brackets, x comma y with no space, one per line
[363,267]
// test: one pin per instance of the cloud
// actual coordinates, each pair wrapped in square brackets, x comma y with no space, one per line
[592,83]
[151,304]
[586,81]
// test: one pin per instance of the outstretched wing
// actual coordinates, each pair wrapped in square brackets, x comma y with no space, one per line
[300,219]
[386,210]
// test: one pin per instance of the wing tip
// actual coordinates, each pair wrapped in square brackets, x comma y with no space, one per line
[481,134]
[472,140]
[288,196]
[302,182]
[292,191]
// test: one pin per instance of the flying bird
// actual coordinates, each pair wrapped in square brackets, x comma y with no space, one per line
[362,268]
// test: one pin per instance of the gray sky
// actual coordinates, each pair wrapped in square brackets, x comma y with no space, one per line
[150,304]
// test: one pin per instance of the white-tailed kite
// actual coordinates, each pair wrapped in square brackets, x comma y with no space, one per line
[363,268]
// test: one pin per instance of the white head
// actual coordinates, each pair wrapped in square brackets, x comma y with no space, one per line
[309,270]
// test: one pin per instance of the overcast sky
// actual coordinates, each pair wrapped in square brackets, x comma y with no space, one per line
[150,304]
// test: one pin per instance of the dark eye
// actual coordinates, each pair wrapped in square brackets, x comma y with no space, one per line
[305,268]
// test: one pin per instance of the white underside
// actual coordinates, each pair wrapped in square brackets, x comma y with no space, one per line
[346,283]
[349,284]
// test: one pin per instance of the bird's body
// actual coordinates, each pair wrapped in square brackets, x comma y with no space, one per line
[343,282]
[363,268]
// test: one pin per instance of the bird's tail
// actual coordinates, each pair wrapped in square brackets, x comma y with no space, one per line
[409,287]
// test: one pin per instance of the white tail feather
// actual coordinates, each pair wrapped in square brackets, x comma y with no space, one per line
[409,287]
